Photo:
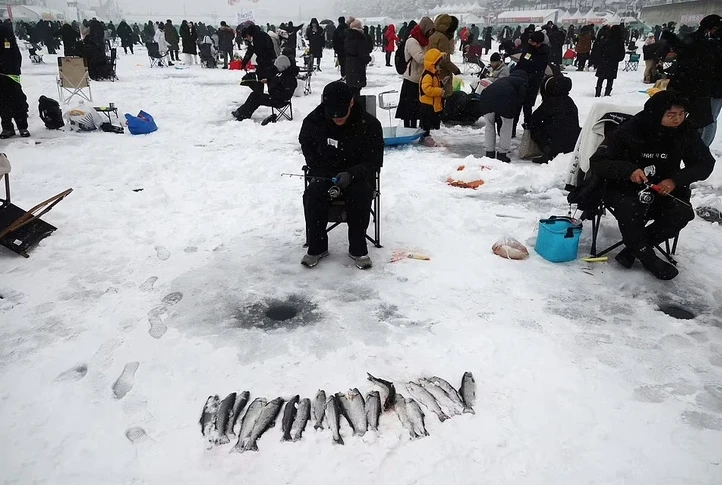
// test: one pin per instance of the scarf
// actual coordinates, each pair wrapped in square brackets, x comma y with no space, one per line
[419,36]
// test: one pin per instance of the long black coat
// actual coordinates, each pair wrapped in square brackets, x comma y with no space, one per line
[70,38]
[225,39]
[611,52]
[171,36]
[316,40]
[533,61]
[10,57]
[505,96]
[358,145]
[694,76]
[264,50]
[125,33]
[189,36]
[339,39]
[556,122]
[357,57]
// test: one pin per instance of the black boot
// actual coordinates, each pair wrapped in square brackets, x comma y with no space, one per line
[626,258]
[491,154]
[7,133]
[598,92]
[24,133]
[501,156]
[608,91]
[659,268]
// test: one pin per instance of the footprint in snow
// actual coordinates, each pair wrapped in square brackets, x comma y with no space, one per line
[126,381]
[148,284]
[157,327]
[75,373]
[138,437]
[162,252]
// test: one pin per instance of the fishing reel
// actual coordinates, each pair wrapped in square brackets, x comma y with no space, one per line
[334,192]
[646,196]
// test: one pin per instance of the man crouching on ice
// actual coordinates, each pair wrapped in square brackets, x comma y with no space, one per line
[641,164]
[344,147]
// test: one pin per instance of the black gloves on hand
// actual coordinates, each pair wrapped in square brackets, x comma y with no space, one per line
[343,179]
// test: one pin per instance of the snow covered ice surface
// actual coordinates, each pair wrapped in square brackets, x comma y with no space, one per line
[580,377]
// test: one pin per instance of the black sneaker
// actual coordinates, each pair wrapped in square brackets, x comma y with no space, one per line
[6,134]
[625,258]
[662,270]
[540,160]
[502,157]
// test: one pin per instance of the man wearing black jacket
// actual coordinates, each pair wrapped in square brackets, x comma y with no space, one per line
[339,44]
[641,165]
[343,147]
[534,59]
[262,46]
[280,90]
[13,102]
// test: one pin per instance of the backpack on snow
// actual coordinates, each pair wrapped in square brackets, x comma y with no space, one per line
[50,113]
[400,58]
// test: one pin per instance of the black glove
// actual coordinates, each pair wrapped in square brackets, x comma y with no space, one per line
[343,179]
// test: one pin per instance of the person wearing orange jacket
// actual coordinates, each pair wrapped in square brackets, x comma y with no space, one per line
[431,92]
[390,40]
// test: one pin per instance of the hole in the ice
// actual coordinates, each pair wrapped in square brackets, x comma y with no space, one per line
[677,312]
[281,312]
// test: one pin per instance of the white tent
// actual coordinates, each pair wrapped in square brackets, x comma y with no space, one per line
[527,16]
[613,20]
[34,13]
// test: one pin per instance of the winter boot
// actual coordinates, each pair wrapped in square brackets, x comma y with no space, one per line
[625,258]
[598,92]
[363,262]
[502,157]
[491,154]
[273,118]
[659,268]
[312,260]
[607,91]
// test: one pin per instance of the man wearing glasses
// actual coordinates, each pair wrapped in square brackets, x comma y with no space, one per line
[641,165]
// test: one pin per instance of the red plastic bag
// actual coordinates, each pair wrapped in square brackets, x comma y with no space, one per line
[570,54]
[235,65]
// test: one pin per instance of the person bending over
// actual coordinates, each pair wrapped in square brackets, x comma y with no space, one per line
[641,164]
[344,147]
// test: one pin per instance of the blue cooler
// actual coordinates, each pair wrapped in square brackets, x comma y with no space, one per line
[558,238]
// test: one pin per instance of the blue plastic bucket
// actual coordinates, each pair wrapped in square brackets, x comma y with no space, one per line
[558,239]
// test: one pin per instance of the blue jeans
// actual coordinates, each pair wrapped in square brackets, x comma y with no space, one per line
[708,133]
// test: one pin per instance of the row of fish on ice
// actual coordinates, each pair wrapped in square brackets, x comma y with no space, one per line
[220,418]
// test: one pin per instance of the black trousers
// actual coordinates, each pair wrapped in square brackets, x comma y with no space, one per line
[669,215]
[125,49]
[342,63]
[582,61]
[316,203]
[608,90]
[13,104]
[255,100]
[388,58]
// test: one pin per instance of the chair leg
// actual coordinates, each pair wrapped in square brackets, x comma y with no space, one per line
[596,220]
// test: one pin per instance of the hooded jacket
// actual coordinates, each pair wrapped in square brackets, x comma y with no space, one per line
[694,75]
[414,50]
[556,122]
[431,90]
[226,35]
[283,83]
[441,39]
[262,47]
[171,36]
[356,147]
[504,97]
[391,39]
[357,57]
[10,57]
[643,143]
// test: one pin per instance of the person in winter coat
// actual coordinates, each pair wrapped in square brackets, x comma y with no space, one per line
[226,35]
[148,32]
[487,40]
[94,55]
[262,46]
[328,31]
[556,44]
[473,34]
[646,150]
[611,53]
[281,87]
[431,94]
[503,99]
[340,140]
[584,47]
[442,39]
[71,37]
[595,56]
[499,69]
[339,44]
[390,40]
[316,41]
[649,51]
[409,109]
[97,32]
[693,76]
[189,36]
[555,124]
[292,42]
[357,57]
[708,133]
[13,102]
[173,40]
[534,60]
[126,36]
[404,30]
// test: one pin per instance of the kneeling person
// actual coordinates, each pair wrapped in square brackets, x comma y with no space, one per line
[343,146]
[281,86]
[641,163]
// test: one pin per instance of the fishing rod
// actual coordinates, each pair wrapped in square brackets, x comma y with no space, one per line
[658,189]
[333,192]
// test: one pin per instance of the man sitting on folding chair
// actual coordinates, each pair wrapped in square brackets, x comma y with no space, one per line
[344,149]
[641,165]
[281,85]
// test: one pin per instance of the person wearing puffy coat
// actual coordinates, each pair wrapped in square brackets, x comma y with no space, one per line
[390,40]
[409,109]
[357,57]
[555,124]
[431,92]
[443,39]
[503,98]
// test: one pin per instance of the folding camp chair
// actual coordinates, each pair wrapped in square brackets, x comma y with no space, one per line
[305,76]
[631,64]
[20,229]
[113,61]
[154,56]
[472,59]
[282,110]
[337,211]
[73,79]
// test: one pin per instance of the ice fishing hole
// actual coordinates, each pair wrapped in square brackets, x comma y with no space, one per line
[281,311]
[677,312]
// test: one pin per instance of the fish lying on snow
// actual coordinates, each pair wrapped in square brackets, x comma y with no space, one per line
[388,390]
[241,401]
[448,389]
[319,409]
[402,413]
[424,397]
[333,414]
[416,416]
[289,415]
[373,410]
[468,392]
[265,421]
[249,419]
[225,413]
[358,412]
[208,416]
[442,398]
[303,413]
